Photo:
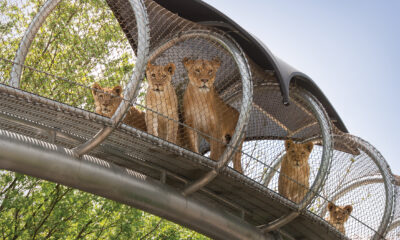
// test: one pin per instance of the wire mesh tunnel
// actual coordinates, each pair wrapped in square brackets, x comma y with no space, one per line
[152,89]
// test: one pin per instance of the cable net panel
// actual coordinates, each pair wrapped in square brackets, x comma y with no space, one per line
[393,231]
[354,180]
[85,52]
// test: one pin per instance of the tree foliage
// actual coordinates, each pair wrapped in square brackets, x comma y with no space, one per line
[80,43]
[31,208]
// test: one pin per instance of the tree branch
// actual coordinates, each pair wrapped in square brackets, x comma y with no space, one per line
[83,229]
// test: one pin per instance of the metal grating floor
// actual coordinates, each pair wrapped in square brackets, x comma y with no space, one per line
[66,126]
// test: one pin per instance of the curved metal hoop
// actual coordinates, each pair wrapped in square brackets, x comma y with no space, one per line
[348,188]
[135,79]
[247,95]
[27,40]
[327,148]
[387,177]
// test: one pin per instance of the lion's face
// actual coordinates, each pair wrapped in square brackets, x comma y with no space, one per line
[159,76]
[106,100]
[298,154]
[338,214]
[202,72]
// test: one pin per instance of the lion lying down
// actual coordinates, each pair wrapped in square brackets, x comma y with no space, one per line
[107,101]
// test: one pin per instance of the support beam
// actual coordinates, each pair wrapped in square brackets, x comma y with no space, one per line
[48,161]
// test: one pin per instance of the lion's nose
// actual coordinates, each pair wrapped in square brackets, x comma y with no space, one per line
[204,80]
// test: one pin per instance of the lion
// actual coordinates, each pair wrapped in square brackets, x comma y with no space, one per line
[295,171]
[338,216]
[206,112]
[161,99]
[107,101]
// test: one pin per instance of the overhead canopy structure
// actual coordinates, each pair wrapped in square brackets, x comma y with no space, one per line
[49,137]
[204,14]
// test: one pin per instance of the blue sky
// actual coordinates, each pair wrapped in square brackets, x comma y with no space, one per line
[351,49]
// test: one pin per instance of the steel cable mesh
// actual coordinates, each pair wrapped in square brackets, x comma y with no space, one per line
[356,180]
[71,86]
[82,43]
[79,43]
[393,231]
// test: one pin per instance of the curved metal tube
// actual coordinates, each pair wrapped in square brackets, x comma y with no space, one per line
[280,222]
[133,85]
[394,225]
[347,189]
[26,41]
[326,136]
[48,161]
[387,180]
[247,96]
[272,171]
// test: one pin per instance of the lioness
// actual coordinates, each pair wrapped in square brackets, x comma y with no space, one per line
[295,171]
[107,101]
[205,111]
[161,99]
[339,215]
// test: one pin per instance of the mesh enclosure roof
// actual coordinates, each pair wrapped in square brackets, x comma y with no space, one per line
[205,15]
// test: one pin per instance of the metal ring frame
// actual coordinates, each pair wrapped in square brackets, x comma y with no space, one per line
[326,136]
[131,91]
[27,40]
[136,77]
[386,179]
[247,95]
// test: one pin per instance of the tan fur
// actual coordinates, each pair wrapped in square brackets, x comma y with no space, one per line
[339,215]
[295,171]
[161,98]
[205,111]
[107,101]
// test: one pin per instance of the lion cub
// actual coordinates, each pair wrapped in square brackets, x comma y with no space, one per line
[161,99]
[107,101]
[205,111]
[295,171]
[338,216]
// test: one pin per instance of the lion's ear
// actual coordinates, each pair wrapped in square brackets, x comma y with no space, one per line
[148,67]
[170,68]
[288,144]
[309,146]
[330,206]
[118,90]
[216,62]
[95,88]
[348,208]
[187,62]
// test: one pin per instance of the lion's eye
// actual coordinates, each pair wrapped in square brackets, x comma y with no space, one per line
[153,75]
[197,71]
[164,76]
[293,151]
[210,72]
[101,96]
[303,153]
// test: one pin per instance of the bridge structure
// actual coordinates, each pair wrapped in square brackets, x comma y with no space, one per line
[42,136]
